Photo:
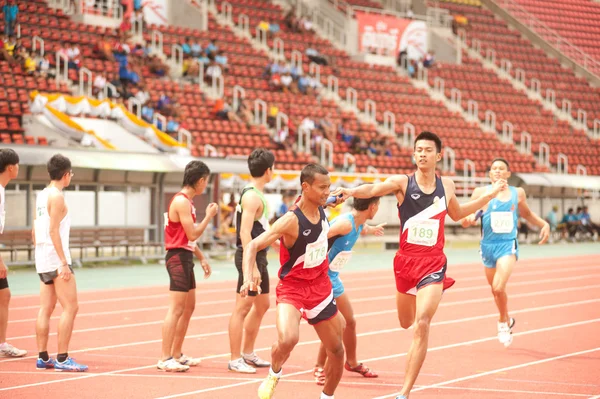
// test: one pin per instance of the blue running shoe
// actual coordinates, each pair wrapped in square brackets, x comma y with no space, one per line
[42,365]
[69,365]
[401,397]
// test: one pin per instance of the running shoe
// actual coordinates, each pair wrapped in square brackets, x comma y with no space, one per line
[505,332]
[253,360]
[240,366]
[7,350]
[401,397]
[44,365]
[188,361]
[171,365]
[267,388]
[69,365]
[319,374]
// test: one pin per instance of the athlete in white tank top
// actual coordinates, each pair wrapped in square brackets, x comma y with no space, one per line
[2,210]
[46,258]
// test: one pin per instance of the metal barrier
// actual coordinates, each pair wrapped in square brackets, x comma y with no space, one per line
[536,86]
[227,11]
[352,97]
[218,85]
[439,85]
[278,49]
[132,101]
[304,140]
[371,110]
[333,85]
[582,117]
[505,65]
[456,97]
[282,119]
[181,133]
[177,54]
[389,122]
[326,147]
[449,160]
[62,74]
[347,157]
[112,88]
[473,109]
[260,112]
[490,55]
[597,128]
[581,170]
[296,60]
[35,40]
[566,106]
[244,23]
[562,163]
[551,96]
[490,120]
[409,135]
[520,75]
[163,121]
[210,151]
[544,155]
[239,93]
[83,72]
[315,70]
[157,41]
[507,132]
[525,143]
[469,174]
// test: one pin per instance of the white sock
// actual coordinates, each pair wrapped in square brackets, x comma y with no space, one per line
[271,372]
[323,396]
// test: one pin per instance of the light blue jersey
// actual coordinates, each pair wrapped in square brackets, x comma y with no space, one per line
[340,250]
[499,229]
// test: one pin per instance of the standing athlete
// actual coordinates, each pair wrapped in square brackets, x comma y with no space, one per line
[304,289]
[52,228]
[343,233]
[499,246]
[424,200]
[181,233]
[9,169]
[251,221]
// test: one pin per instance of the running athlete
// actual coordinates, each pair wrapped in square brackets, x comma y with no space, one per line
[499,246]
[251,221]
[181,233]
[424,200]
[343,233]
[9,169]
[52,228]
[304,289]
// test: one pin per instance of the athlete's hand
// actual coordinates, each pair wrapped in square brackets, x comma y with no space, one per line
[469,221]
[206,267]
[339,199]
[344,192]
[211,210]
[64,272]
[544,233]
[378,230]
[498,186]
[3,269]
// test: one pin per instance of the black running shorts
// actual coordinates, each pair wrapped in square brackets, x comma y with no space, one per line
[180,266]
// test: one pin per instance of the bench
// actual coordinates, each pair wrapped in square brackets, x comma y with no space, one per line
[85,239]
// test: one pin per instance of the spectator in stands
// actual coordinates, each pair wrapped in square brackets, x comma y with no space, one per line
[272,115]
[42,63]
[142,95]
[281,139]
[11,13]
[412,68]
[315,56]
[221,59]
[264,26]
[212,48]
[187,46]
[344,133]
[172,125]
[303,84]
[328,128]
[103,48]
[274,29]
[571,223]
[196,49]
[157,66]
[410,14]
[11,47]
[73,55]
[586,220]
[429,59]
[4,55]
[290,21]
[287,201]
[223,110]
[244,112]
[190,68]
[286,83]
[305,24]
[99,84]
[213,70]
[552,218]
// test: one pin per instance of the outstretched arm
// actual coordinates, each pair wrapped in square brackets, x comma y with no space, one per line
[458,211]
[526,213]
[285,225]
[390,185]
[470,219]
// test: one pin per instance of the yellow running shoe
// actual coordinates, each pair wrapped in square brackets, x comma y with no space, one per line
[267,388]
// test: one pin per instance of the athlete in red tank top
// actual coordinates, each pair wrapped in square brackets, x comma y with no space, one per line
[420,265]
[175,236]
[181,233]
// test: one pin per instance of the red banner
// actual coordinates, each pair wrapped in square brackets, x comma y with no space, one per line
[388,35]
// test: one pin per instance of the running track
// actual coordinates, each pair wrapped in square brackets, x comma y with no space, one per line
[555,353]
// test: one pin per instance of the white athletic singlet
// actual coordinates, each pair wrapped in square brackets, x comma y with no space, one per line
[46,258]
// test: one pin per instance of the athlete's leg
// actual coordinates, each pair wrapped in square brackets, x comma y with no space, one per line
[177,301]
[497,278]
[47,305]
[236,324]
[427,301]
[66,292]
[406,305]
[288,333]
[330,332]
[253,320]
[4,301]
[349,337]
[183,323]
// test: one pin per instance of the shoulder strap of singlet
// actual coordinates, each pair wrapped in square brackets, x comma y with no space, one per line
[260,195]
[173,199]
